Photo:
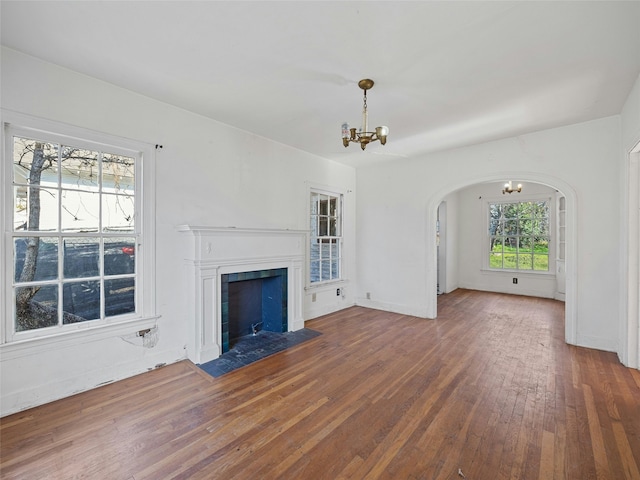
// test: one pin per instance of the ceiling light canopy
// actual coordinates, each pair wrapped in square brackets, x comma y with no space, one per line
[363,137]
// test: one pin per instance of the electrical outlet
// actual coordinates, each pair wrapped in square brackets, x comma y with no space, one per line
[313,297]
[368,295]
[337,292]
[515,281]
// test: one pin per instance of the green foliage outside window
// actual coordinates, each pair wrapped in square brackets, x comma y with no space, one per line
[519,236]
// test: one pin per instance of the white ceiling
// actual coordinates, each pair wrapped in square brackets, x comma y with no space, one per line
[447,73]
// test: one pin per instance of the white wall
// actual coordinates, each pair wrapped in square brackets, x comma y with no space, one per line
[472,228]
[397,204]
[207,174]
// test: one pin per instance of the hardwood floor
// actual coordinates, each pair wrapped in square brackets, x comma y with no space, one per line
[489,390]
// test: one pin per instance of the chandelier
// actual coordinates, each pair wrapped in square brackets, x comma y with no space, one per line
[508,188]
[363,137]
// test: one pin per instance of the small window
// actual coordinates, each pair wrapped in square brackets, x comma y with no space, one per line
[326,237]
[519,236]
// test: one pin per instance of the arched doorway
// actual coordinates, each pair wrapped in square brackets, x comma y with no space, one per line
[569,195]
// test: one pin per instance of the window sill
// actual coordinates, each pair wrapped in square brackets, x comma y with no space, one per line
[29,346]
[533,273]
[329,285]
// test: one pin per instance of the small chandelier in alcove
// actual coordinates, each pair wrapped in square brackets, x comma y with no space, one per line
[508,188]
[363,137]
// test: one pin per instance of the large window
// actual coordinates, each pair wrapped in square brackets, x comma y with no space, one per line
[76,233]
[326,237]
[519,235]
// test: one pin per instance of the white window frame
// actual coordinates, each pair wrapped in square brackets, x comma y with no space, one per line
[487,237]
[339,238]
[15,124]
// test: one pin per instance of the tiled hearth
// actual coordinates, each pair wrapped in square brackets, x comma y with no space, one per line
[212,252]
[252,348]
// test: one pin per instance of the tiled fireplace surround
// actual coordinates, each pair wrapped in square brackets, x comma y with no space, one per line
[235,253]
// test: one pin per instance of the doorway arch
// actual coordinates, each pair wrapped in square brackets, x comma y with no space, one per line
[437,197]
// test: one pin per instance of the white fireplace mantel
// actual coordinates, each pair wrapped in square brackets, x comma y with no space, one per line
[214,251]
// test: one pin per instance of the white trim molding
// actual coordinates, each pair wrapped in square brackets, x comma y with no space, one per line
[214,251]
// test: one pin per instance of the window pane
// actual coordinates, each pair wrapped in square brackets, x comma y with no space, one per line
[496,244]
[510,244]
[34,162]
[118,213]
[35,209]
[36,307]
[333,206]
[509,261]
[525,227]
[495,227]
[315,250]
[335,268]
[80,211]
[314,203]
[333,227]
[525,262]
[541,227]
[323,227]
[541,245]
[525,209]
[511,227]
[510,210]
[314,227]
[326,270]
[20,205]
[324,205]
[81,257]
[119,256]
[119,296]
[526,245]
[540,262]
[118,174]
[314,271]
[35,259]
[81,301]
[80,168]
[495,260]
[325,250]
[541,209]
[335,252]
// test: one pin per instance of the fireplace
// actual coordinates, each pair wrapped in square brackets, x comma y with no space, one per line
[222,262]
[253,301]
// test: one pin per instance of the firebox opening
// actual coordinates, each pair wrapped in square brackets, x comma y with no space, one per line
[253,301]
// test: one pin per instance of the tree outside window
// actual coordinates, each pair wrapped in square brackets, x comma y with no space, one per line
[519,236]
[74,233]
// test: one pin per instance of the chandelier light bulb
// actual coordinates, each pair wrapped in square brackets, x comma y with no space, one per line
[345,130]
